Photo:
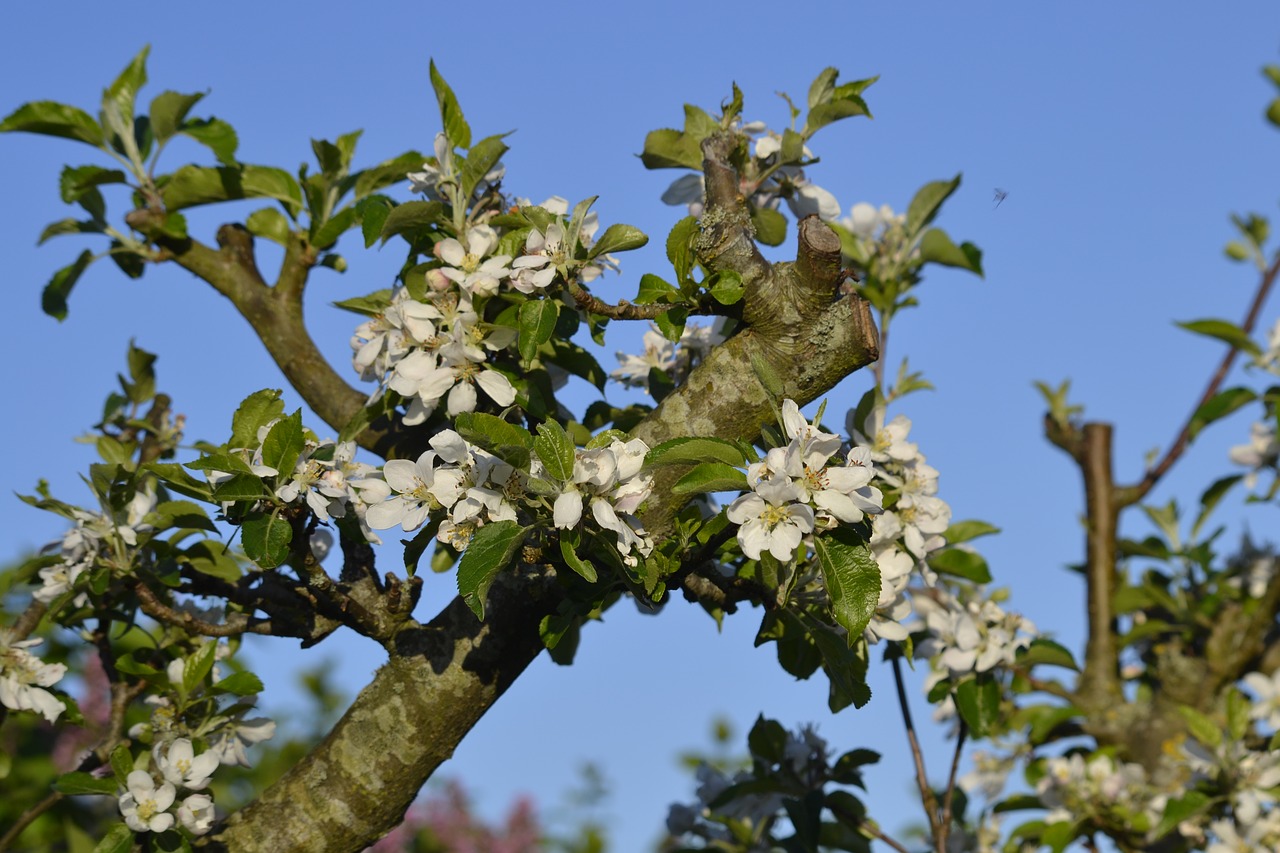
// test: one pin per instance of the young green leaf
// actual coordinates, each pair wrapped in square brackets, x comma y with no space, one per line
[492,549]
[456,129]
[266,538]
[927,202]
[53,300]
[710,477]
[692,450]
[852,578]
[50,118]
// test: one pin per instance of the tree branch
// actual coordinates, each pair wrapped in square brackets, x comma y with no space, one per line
[1135,493]
[443,677]
[275,314]
[1099,683]
[927,798]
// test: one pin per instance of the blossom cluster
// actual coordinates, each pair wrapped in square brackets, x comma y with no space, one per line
[470,484]
[96,537]
[431,344]
[904,536]
[793,490]
[473,487]
[149,800]
[970,634]
[1074,786]
[24,677]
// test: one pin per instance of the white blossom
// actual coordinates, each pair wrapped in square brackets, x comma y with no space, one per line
[144,806]
[23,677]
[181,766]
[196,813]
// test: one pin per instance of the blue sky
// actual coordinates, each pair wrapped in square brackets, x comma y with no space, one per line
[1124,134]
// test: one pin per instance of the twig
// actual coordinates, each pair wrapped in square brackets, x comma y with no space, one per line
[1136,493]
[927,796]
[26,818]
[624,310]
[157,609]
[951,788]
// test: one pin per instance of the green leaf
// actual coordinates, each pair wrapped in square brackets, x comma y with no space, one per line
[68,226]
[195,185]
[118,839]
[1202,728]
[964,531]
[770,225]
[327,234]
[53,301]
[506,440]
[185,515]
[50,118]
[1179,809]
[1045,651]
[692,450]
[618,238]
[83,783]
[387,173]
[978,701]
[852,577]
[491,550]
[768,377]
[198,667]
[373,212]
[211,557]
[121,763]
[216,135]
[269,223]
[936,247]
[961,563]
[710,477]
[168,112]
[555,449]
[573,561]
[680,247]
[239,684]
[1237,251]
[259,408]
[1273,112]
[822,87]
[654,290]
[120,96]
[1225,331]
[1211,496]
[266,538]
[481,159]
[927,202]
[671,149]
[1219,406]
[283,445]
[456,129]
[834,110]
[537,323]
[75,182]
[1237,715]
[671,322]
[577,361]
[844,664]
[176,478]
[410,216]
[726,287]
[369,305]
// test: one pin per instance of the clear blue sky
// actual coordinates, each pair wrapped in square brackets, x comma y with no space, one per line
[1124,134]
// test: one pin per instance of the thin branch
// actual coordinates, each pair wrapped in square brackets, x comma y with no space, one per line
[157,609]
[1133,494]
[927,797]
[624,310]
[29,619]
[951,788]
[27,817]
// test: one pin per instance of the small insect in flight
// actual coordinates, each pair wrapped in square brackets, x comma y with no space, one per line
[1001,195]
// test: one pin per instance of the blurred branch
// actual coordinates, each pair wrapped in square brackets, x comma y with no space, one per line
[1135,493]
